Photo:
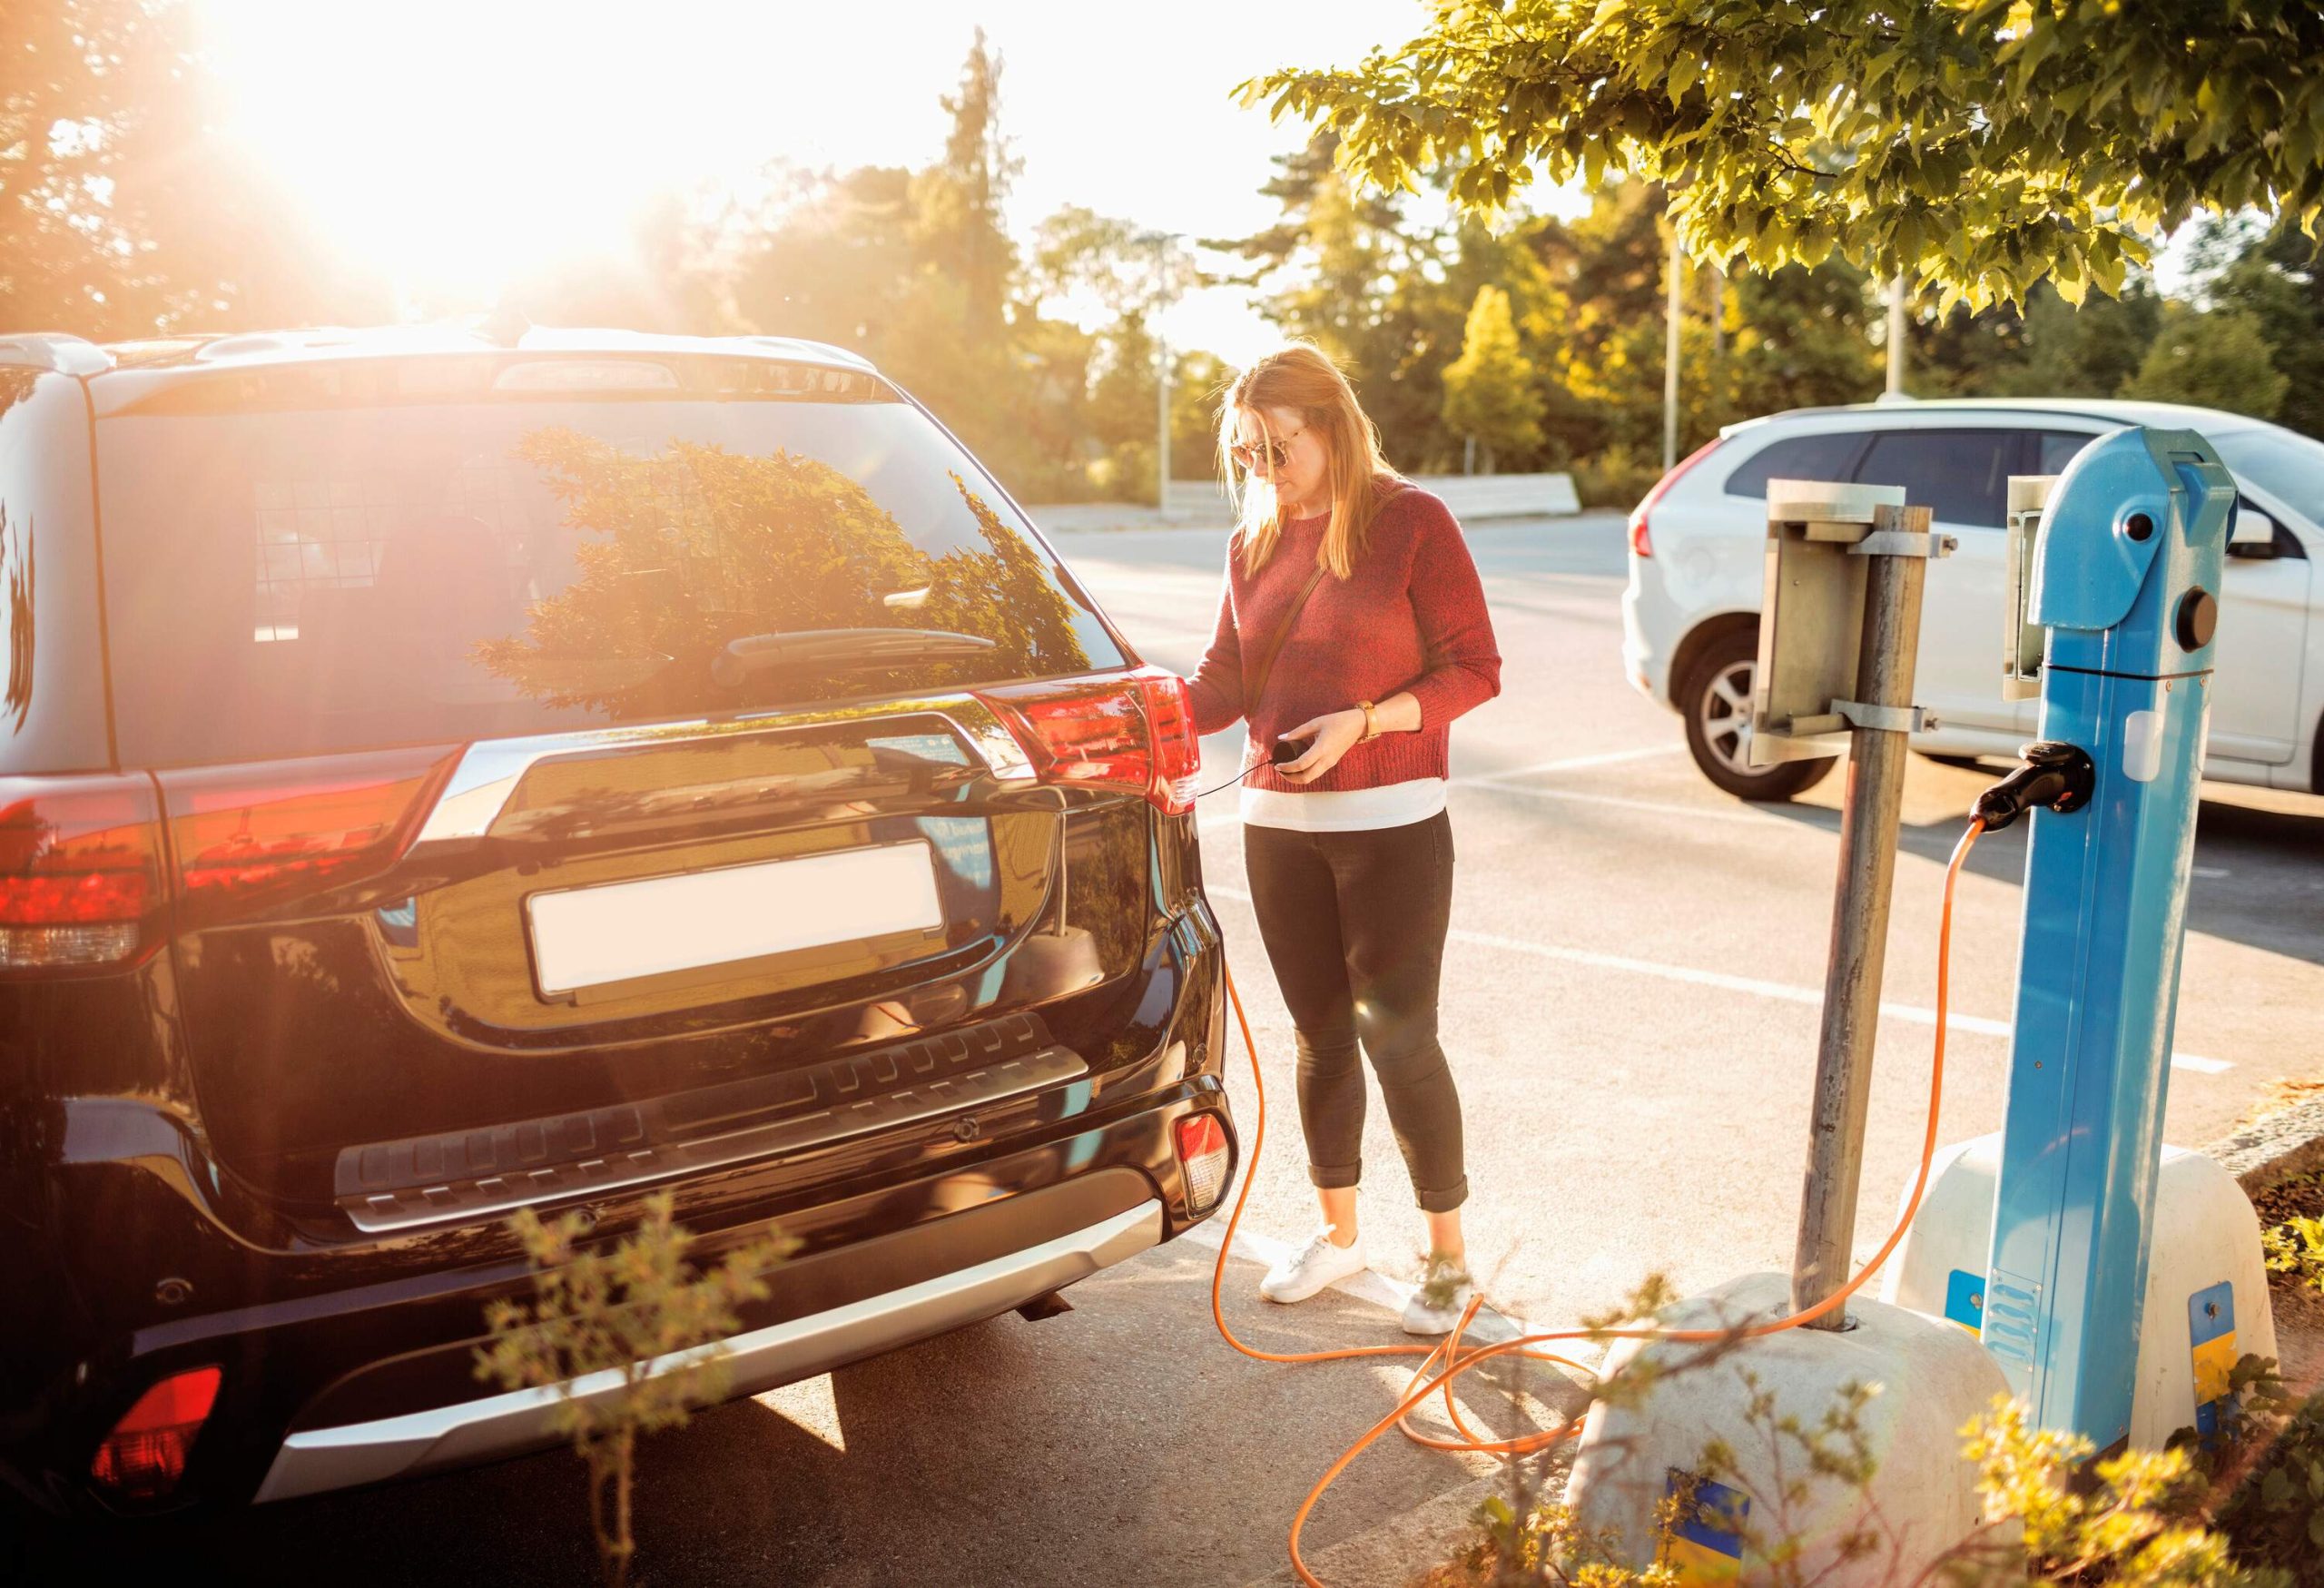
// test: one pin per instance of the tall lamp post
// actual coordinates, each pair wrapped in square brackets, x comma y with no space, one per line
[1896,336]
[1170,265]
[1673,309]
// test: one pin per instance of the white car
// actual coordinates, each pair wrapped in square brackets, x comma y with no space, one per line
[1698,558]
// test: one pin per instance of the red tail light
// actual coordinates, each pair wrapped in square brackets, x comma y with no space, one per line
[1202,1148]
[1133,731]
[1641,538]
[81,871]
[1177,749]
[244,834]
[145,1455]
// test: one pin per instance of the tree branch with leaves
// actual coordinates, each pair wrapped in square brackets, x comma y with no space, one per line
[1974,146]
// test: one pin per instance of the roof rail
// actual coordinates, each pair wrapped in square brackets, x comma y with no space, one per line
[57,350]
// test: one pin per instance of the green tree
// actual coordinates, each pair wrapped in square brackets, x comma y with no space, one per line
[915,270]
[124,211]
[829,257]
[2217,358]
[1349,272]
[2275,274]
[1976,146]
[959,221]
[1489,390]
[2045,348]
[1798,338]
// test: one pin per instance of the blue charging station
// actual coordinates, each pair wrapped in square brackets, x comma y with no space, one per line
[2024,1267]
[2126,578]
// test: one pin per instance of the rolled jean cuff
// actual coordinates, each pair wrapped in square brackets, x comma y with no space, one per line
[1338,1176]
[1442,1201]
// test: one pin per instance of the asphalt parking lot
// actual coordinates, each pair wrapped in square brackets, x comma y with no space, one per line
[1631,1010]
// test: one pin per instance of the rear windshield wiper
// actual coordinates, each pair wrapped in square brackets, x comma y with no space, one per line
[841,647]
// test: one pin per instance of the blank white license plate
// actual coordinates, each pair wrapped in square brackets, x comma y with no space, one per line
[586,937]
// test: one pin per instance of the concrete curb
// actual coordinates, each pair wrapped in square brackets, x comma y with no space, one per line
[2274,1147]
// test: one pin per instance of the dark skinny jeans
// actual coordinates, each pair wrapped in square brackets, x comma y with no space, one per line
[1355,926]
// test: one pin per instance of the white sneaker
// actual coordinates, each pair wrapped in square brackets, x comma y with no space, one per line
[1444,1294]
[1314,1265]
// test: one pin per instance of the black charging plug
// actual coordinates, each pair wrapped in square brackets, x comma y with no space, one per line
[2057,776]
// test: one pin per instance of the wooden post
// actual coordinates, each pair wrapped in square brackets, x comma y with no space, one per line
[1868,826]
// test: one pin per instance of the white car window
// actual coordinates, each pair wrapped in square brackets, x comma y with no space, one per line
[1962,475]
[2278,461]
[1829,455]
[2058,448]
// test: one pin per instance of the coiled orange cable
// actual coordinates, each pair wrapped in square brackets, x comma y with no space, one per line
[1446,1361]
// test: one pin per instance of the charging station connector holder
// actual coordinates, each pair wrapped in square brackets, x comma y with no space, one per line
[1804,690]
[2021,637]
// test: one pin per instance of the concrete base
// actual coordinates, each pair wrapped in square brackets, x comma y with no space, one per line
[2207,1300]
[1930,1380]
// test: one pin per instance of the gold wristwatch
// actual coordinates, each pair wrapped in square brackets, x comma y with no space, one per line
[1371,722]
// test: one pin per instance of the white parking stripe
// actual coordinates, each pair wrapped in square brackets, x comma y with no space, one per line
[1571,764]
[1976,1025]
[1657,807]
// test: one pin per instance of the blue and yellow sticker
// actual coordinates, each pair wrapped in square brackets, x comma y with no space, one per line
[1703,1546]
[2210,1328]
[1965,1299]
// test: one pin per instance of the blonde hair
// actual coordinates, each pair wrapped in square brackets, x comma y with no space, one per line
[1300,377]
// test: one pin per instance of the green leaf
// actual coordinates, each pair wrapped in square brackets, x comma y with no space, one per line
[1685,70]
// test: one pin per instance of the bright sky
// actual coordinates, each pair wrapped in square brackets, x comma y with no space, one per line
[459,142]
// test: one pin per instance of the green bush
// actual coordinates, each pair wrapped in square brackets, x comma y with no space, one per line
[639,1309]
[1615,476]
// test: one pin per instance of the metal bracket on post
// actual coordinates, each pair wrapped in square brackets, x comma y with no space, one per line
[1905,542]
[1888,719]
[1824,538]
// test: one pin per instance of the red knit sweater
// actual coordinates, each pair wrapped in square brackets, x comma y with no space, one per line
[1411,615]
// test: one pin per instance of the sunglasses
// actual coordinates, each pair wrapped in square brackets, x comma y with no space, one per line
[1276,450]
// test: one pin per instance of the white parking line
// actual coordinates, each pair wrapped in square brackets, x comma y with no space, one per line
[1570,763]
[1976,1025]
[1657,807]
[1494,780]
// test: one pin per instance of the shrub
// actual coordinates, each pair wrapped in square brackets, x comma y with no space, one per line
[1615,476]
[639,1310]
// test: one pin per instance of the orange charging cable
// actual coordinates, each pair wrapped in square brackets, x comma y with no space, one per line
[1443,1361]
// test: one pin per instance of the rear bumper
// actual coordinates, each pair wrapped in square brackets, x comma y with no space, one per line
[1650,632]
[378,1336]
[316,1460]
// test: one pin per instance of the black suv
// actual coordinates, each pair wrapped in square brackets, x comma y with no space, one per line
[440,776]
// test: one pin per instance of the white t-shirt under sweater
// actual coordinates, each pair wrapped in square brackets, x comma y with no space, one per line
[1349,809]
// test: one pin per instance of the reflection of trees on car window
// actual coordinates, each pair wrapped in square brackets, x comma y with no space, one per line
[1004,594]
[691,548]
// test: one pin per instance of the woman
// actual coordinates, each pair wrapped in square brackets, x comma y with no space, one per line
[1354,630]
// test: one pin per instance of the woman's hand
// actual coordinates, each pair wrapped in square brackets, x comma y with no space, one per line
[1333,735]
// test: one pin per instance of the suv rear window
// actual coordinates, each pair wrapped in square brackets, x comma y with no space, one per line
[1829,456]
[1963,475]
[285,580]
